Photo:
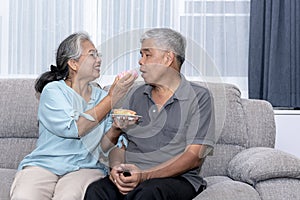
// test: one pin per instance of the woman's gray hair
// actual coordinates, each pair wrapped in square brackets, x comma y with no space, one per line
[167,39]
[69,48]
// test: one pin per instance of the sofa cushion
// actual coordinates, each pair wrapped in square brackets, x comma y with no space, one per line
[217,164]
[211,180]
[7,177]
[229,190]
[229,114]
[259,117]
[261,163]
[18,108]
[279,189]
[15,149]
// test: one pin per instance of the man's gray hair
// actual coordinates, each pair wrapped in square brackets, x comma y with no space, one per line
[167,39]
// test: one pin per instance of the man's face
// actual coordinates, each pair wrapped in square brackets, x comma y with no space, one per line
[152,62]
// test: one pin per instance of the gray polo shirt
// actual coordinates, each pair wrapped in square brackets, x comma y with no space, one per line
[186,118]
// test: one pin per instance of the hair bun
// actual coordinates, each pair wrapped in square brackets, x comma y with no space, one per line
[53,68]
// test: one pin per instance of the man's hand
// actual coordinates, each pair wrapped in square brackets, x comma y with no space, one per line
[125,182]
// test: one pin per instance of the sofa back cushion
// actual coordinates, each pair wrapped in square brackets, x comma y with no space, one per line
[229,114]
[18,124]
[241,124]
[231,129]
[18,105]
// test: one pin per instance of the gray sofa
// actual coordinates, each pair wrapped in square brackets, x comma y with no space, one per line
[244,164]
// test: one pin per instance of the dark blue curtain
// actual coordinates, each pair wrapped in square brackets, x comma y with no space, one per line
[274,52]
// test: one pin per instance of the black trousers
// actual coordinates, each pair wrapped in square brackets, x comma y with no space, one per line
[153,189]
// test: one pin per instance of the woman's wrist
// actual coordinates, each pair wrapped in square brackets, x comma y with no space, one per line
[115,128]
[102,109]
[115,133]
[109,99]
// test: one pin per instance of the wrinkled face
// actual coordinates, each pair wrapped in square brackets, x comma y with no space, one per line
[153,63]
[89,62]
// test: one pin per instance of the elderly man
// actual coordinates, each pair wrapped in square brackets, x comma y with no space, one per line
[167,147]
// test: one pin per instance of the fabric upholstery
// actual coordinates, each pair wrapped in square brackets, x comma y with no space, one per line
[231,132]
[259,116]
[279,189]
[18,105]
[229,190]
[217,164]
[15,149]
[230,122]
[257,164]
[210,180]
[6,179]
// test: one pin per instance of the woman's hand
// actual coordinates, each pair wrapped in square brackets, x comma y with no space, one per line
[120,87]
[124,122]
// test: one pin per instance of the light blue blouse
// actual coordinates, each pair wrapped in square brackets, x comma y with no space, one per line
[59,149]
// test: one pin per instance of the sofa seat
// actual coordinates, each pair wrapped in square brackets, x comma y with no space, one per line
[6,179]
[227,189]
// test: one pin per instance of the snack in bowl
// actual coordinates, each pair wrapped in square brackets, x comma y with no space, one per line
[123,112]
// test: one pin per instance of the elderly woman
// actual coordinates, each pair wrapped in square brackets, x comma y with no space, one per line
[73,118]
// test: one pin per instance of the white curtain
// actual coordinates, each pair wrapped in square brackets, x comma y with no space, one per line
[32,32]
[216,30]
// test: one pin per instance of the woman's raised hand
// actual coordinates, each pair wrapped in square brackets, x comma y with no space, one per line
[120,87]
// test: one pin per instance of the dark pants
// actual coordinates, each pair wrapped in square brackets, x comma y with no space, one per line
[153,189]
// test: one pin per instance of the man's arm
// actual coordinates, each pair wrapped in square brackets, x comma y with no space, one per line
[192,157]
[189,159]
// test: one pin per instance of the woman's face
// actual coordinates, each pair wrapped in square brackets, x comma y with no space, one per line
[89,62]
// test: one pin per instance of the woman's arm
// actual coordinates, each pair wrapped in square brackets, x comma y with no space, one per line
[116,156]
[99,112]
[117,90]
[110,138]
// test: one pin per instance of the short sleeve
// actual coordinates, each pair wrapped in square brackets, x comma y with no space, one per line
[201,122]
[59,110]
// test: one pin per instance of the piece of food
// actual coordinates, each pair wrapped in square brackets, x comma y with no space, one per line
[133,72]
[124,112]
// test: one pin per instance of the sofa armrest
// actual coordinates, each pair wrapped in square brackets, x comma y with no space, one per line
[261,163]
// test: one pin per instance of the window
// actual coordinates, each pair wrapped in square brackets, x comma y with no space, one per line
[217,33]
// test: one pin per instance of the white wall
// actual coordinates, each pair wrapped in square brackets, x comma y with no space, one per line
[288,131]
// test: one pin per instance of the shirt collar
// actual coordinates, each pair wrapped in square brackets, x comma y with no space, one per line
[180,93]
